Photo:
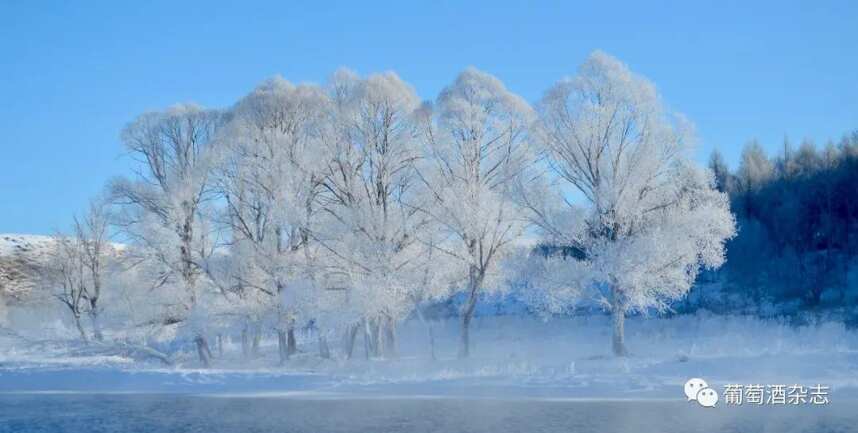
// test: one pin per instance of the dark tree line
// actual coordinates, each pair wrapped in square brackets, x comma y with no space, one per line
[797,213]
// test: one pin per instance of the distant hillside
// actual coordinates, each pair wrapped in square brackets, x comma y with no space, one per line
[30,245]
[21,256]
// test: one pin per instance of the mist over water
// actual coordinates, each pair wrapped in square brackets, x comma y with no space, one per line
[156,413]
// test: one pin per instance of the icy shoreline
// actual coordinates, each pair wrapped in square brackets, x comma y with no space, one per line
[516,357]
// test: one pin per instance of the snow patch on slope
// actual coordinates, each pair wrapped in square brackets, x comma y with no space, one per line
[30,245]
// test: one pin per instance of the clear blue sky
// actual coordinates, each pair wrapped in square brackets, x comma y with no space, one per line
[73,73]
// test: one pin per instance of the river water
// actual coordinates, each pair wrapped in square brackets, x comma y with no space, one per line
[155,413]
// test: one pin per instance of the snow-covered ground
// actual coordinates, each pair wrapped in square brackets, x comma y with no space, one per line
[513,356]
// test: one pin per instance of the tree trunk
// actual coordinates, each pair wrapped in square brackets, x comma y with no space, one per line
[475,279]
[377,341]
[245,343]
[373,338]
[207,348]
[324,350]
[257,335]
[281,346]
[96,324]
[203,351]
[80,329]
[368,342]
[467,315]
[465,341]
[291,344]
[619,337]
[618,316]
[186,235]
[351,336]
[432,343]
[390,338]
[146,351]
[431,333]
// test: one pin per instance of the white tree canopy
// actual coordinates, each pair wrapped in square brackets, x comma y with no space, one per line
[373,228]
[644,218]
[270,171]
[477,146]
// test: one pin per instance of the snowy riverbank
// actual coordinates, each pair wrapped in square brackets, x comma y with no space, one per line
[513,356]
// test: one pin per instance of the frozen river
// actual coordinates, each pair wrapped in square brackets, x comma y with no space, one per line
[154,413]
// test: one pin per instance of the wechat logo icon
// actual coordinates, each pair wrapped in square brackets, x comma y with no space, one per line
[698,390]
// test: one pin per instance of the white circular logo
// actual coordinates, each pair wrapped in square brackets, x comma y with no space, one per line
[693,386]
[707,397]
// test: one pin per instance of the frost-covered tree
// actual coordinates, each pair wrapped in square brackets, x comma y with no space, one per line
[91,231]
[643,217]
[272,168]
[75,268]
[755,168]
[164,206]
[66,275]
[374,230]
[477,145]
[724,180]
[755,171]
[806,159]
